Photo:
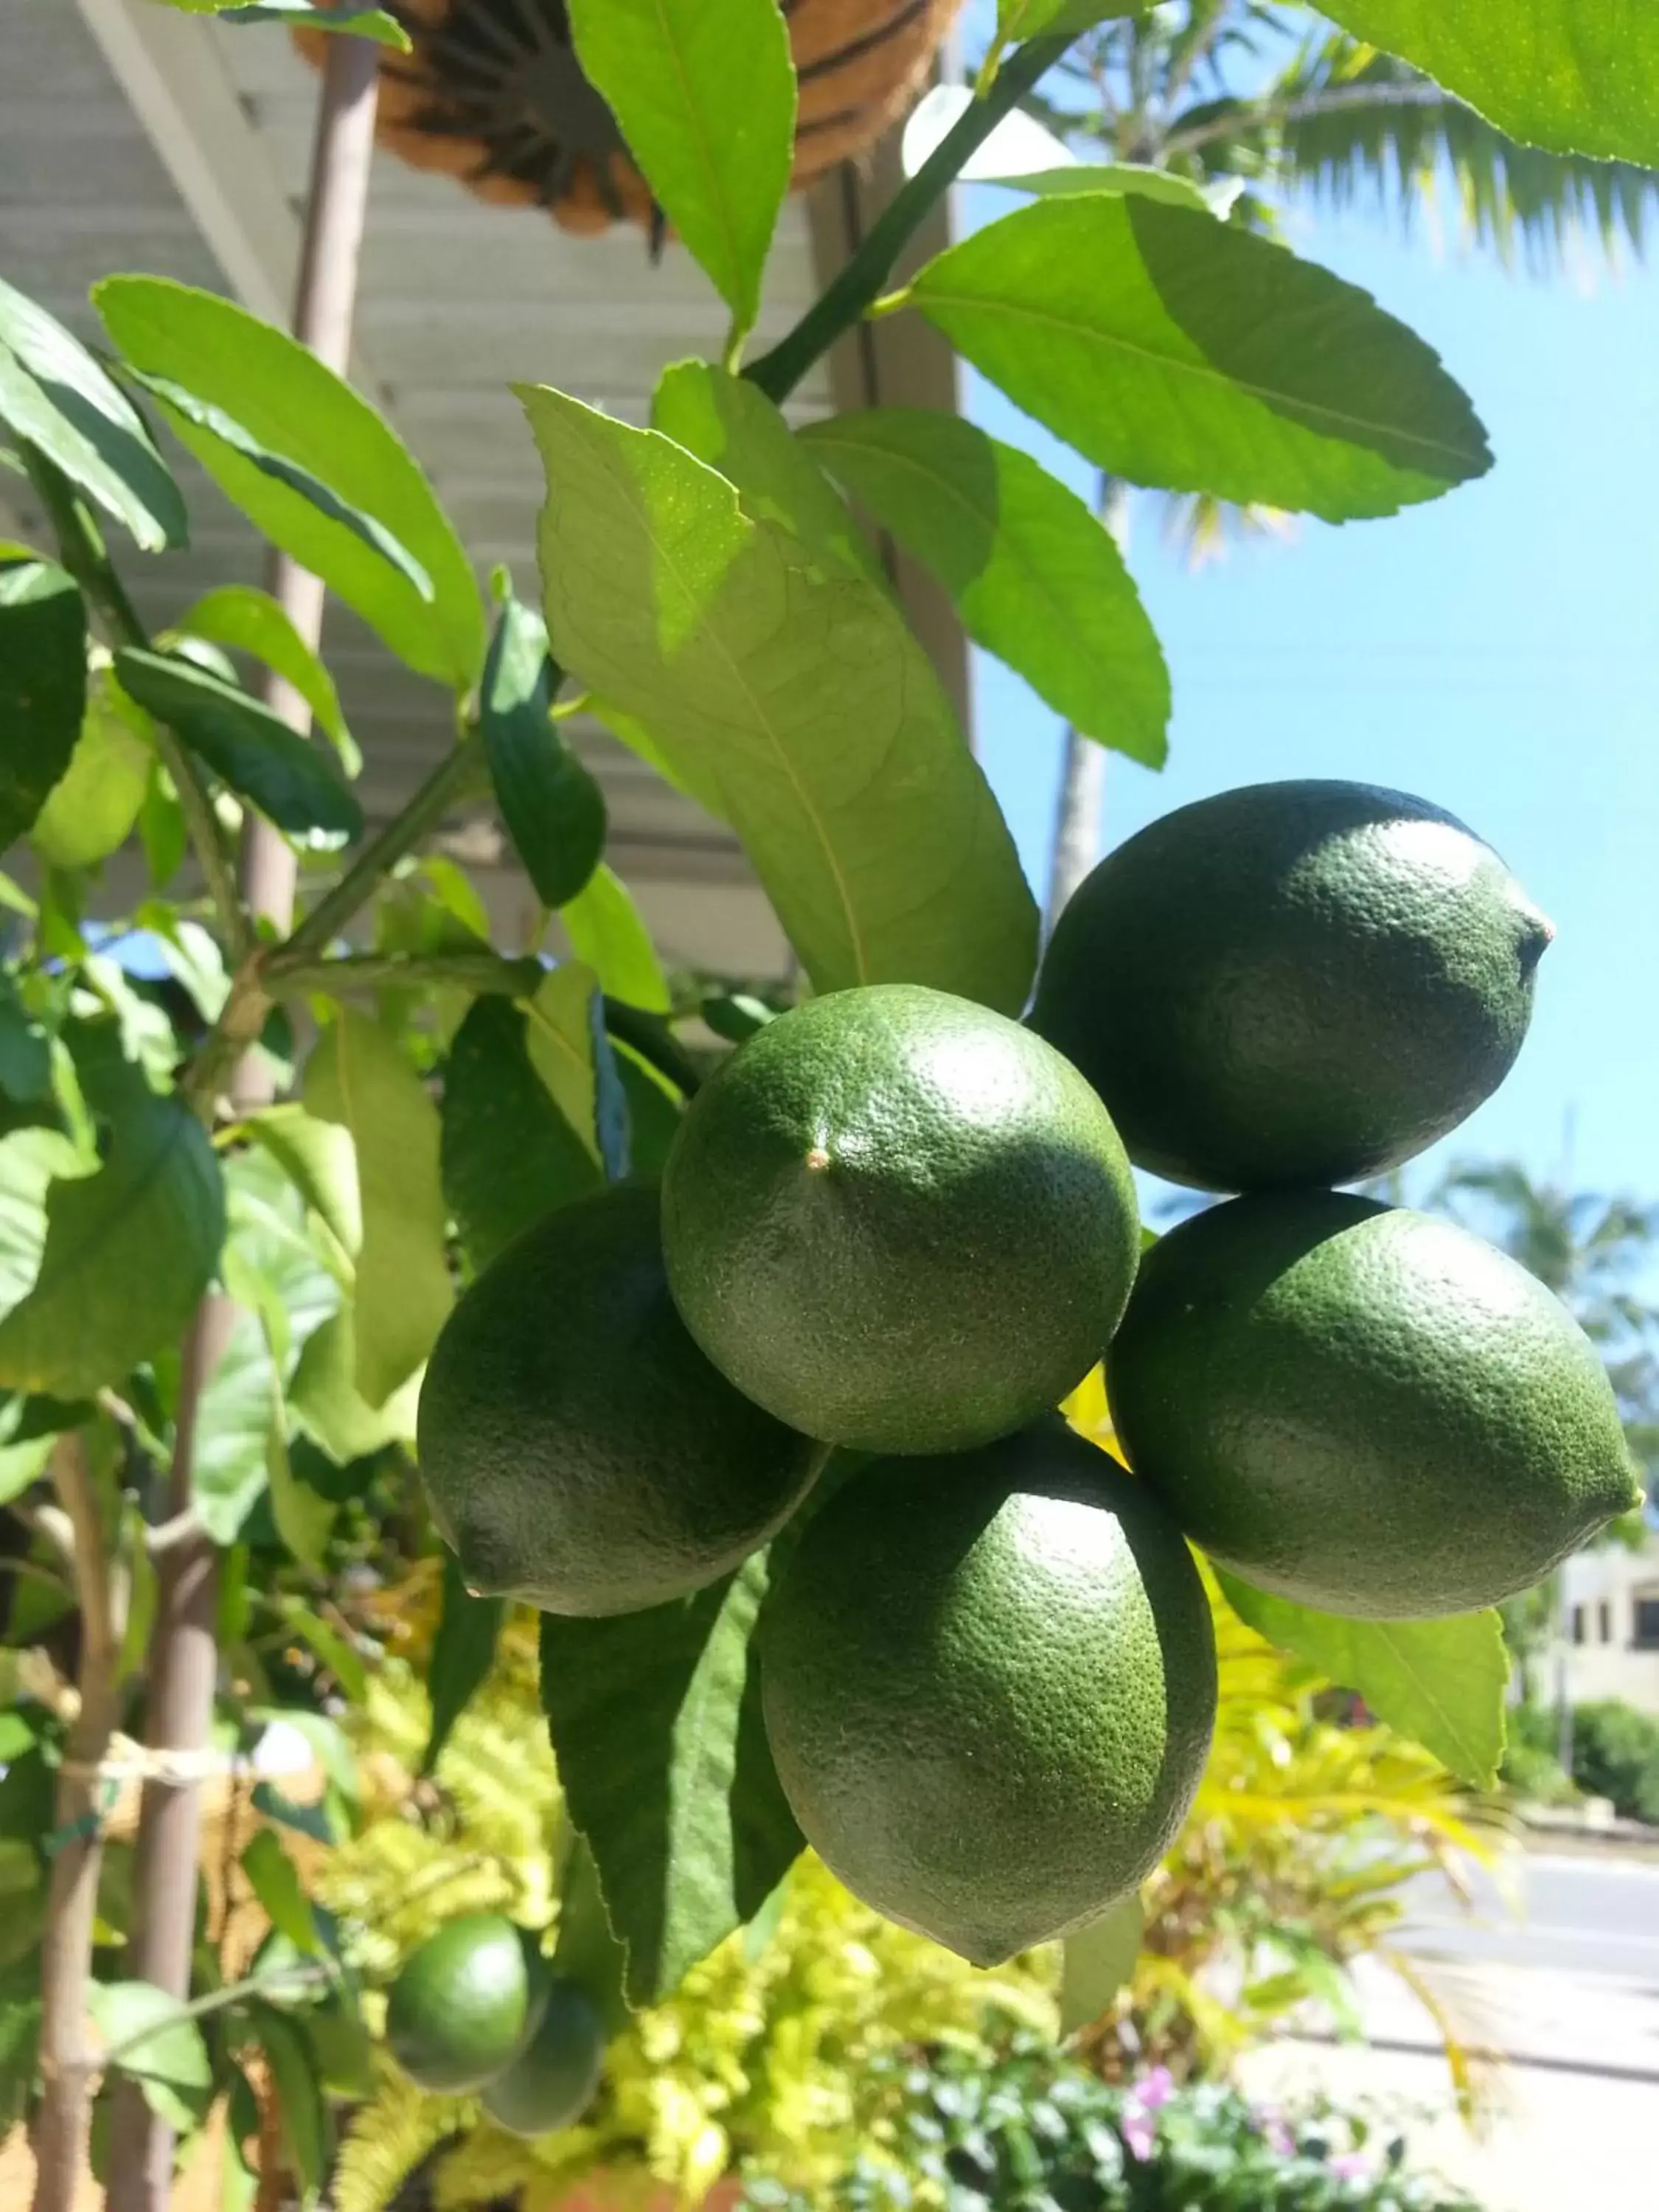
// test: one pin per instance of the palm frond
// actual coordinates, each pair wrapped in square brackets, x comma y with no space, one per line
[1350,128]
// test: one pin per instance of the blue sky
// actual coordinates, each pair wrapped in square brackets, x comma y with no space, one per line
[1496,652]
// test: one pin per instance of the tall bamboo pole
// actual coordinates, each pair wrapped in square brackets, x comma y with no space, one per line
[184,1657]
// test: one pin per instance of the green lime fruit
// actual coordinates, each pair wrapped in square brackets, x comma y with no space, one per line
[1363,1409]
[989,1684]
[464,2003]
[1292,983]
[900,1222]
[552,2082]
[579,1450]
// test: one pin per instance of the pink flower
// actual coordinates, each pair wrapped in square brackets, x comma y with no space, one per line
[1154,2089]
[1140,2133]
[1350,2166]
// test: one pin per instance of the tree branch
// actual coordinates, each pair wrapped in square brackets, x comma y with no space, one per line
[451,777]
[864,277]
[488,974]
[67,2063]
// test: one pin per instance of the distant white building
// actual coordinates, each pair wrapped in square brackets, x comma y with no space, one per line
[1610,1625]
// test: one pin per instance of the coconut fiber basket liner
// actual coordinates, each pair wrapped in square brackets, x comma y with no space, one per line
[492,96]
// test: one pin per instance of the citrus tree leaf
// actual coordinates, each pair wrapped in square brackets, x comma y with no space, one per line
[463,1653]
[24,1051]
[1177,351]
[167,2058]
[216,424]
[31,1161]
[320,1161]
[654,1719]
[274,1881]
[1079,178]
[248,621]
[299,2096]
[291,407]
[704,91]
[608,934]
[804,694]
[1035,577]
[55,395]
[248,748]
[553,809]
[1096,1962]
[316,16]
[565,1037]
[275,1269]
[129,1251]
[508,1154]
[91,808]
[1557,73]
[357,1076]
[1034,19]
[303,1515]
[730,423]
[1443,1683]
[586,1951]
[43,686]
[327,1405]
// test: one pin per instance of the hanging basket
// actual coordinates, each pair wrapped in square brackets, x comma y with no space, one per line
[492,96]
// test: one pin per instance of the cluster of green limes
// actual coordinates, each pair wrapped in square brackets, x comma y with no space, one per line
[896,1224]
[476,2011]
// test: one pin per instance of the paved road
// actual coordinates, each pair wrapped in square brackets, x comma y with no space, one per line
[1568,1990]
[1577,1916]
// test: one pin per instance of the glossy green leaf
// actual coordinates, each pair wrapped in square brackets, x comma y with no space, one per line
[43,686]
[275,1265]
[654,1718]
[463,1653]
[509,1156]
[304,1518]
[248,748]
[129,1251]
[320,1161]
[328,1405]
[704,91]
[290,406]
[565,1040]
[1181,352]
[332,15]
[92,808]
[731,423]
[298,2098]
[837,757]
[608,934]
[274,1881]
[1579,77]
[1035,19]
[1035,576]
[1443,1683]
[246,620]
[55,395]
[358,1077]
[159,2049]
[1079,177]
[553,809]
[24,1051]
[1096,1962]
[654,1110]
[181,404]
[587,1951]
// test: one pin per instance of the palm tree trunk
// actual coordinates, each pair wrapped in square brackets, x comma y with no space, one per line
[1083,771]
